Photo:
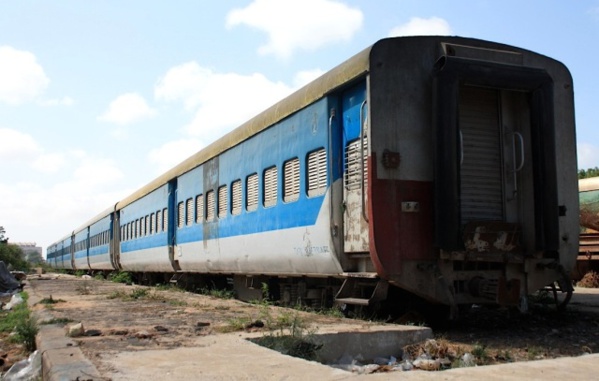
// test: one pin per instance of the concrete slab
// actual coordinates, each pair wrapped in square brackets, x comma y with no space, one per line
[62,359]
[233,357]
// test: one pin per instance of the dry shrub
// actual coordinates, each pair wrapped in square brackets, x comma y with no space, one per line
[589,280]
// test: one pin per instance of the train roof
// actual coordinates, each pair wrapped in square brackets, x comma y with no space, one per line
[333,79]
[588,184]
[95,219]
[346,72]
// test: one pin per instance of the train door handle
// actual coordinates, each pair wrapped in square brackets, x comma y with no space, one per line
[518,136]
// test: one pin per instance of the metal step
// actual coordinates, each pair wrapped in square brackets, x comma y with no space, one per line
[353,301]
[355,291]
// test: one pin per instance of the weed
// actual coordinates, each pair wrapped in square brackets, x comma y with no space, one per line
[79,273]
[175,302]
[118,294]
[505,356]
[235,324]
[480,353]
[99,276]
[289,336]
[215,293]
[20,321]
[85,287]
[121,277]
[534,353]
[169,287]
[56,321]
[139,293]
[50,300]
[332,312]
[26,331]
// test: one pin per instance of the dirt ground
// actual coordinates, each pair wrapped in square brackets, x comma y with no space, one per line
[117,317]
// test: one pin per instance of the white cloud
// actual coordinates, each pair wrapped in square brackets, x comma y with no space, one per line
[127,109]
[52,211]
[95,172]
[21,77]
[64,101]
[220,101]
[172,153]
[184,83]
[49,163]
[588,156]
[15,145]
[434,26]
[298,25]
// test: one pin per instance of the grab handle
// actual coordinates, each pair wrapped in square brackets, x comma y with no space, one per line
[521,139]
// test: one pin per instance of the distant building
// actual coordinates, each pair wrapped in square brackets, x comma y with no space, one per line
[31,252]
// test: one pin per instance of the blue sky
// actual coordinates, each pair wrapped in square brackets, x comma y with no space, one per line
[99,98]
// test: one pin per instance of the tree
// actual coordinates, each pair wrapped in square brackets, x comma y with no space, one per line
[586,173]
[2,232]
[13,257]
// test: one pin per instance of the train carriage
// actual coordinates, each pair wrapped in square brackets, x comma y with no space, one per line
[442,166]
[100,234]
[81,248]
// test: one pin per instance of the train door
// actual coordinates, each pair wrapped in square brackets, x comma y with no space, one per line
[172,224]
[115,240]
[87,230]
[355,171]
[495,168]
[72,251]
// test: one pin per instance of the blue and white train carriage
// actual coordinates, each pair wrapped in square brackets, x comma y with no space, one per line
[440,166]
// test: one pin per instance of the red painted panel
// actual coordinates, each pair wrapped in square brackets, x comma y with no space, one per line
[396,236]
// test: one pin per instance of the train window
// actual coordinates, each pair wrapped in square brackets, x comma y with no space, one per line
[222,201]
[251,192]
[270,187]
[152,223]
[236,197]
[317,172]
[291,177]
[164,219]
[353,172]
[180,214]
[189,209]
[210,204]
[137,230]
[147,226]
[158,221]
[199,208]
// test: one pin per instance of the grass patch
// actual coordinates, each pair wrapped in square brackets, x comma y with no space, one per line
[135,294]
[121,277]
[50,300]
[56,321]
[85,287]
[215,293]
[20,321]
[289,335]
